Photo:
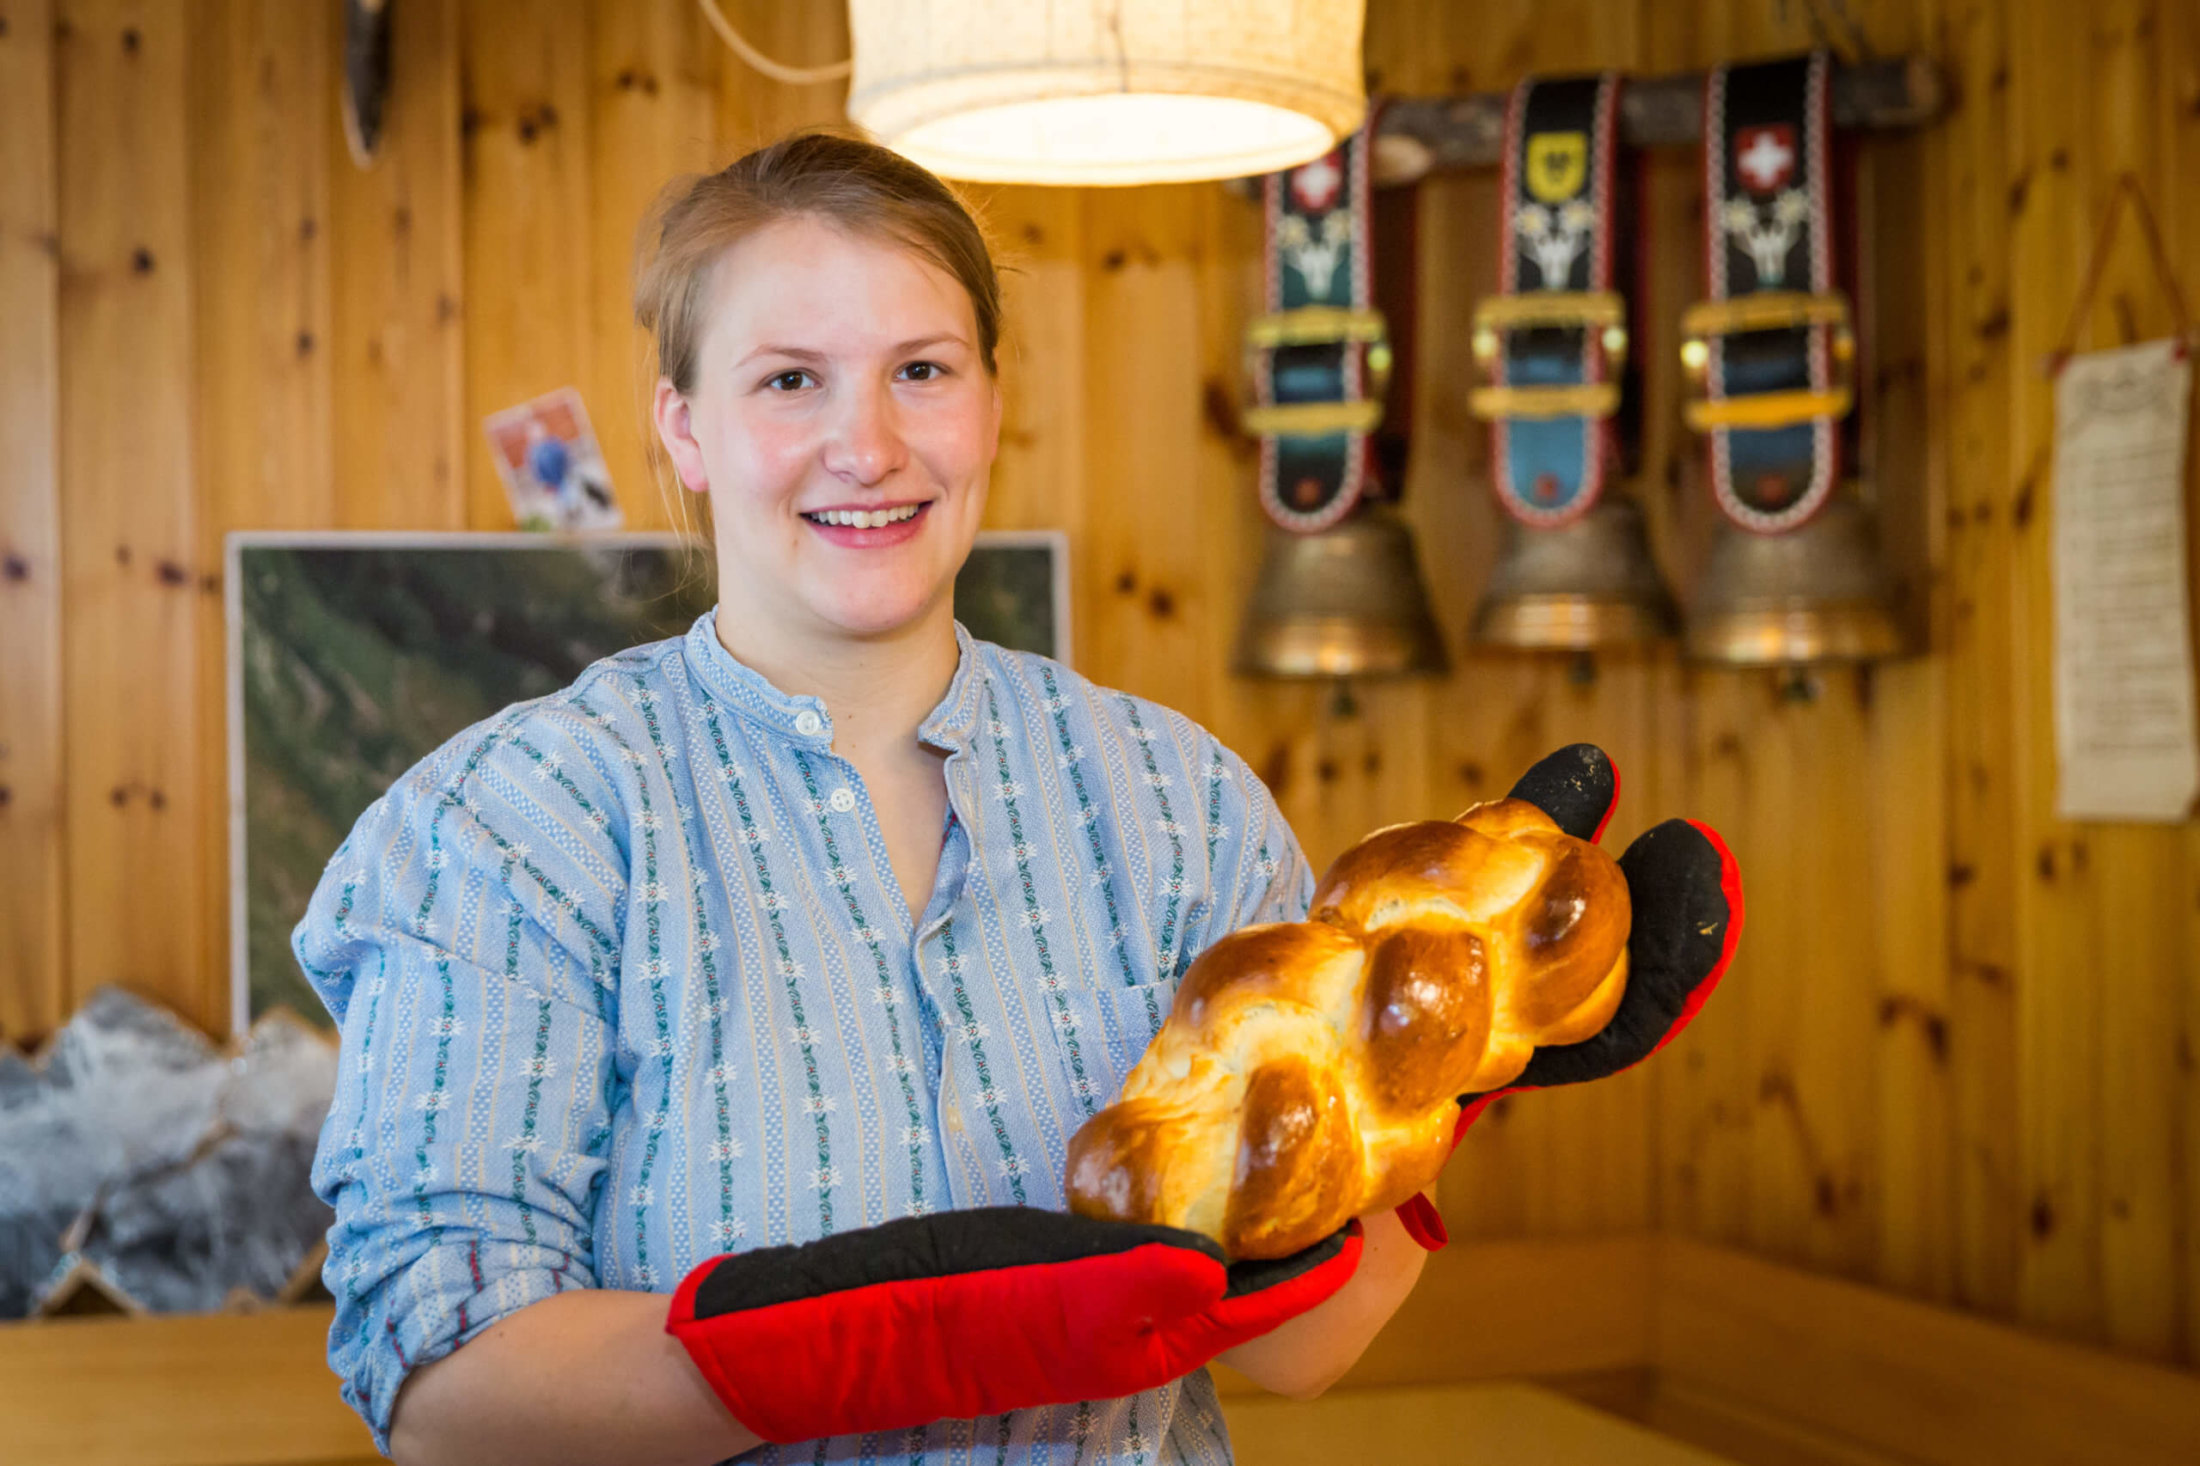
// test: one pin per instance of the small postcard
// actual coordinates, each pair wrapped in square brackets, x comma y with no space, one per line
[552,469]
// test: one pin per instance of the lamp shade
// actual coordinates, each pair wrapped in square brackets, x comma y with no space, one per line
[1107,91]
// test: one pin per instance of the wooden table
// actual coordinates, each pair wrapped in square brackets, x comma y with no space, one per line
[1445,1425]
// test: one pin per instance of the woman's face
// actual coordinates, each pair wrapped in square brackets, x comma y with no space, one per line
[844,427]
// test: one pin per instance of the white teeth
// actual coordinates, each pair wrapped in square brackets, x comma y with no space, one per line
[866,518]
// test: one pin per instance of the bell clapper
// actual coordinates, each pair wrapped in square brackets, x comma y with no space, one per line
[1796,682]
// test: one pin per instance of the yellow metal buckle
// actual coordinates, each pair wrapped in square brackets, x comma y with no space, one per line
[1321,325]
[1602,311]
[1311,419]
[1776,310]
[1589,399]
[1311,325]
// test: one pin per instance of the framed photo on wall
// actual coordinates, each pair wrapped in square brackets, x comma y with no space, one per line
[353,655]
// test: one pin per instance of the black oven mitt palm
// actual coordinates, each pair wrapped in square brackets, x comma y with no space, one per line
[1686,891]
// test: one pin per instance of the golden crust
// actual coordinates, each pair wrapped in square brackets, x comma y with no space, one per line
[1308,1070]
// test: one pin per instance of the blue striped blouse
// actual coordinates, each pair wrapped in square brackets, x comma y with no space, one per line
[625,980]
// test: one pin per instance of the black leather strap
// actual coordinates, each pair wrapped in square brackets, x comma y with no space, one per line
[1321,351]
[1772,346]
[1554,340]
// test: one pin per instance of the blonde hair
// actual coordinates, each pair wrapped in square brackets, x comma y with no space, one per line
[848,182]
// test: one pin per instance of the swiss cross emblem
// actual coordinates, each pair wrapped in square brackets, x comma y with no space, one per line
[1315,186]
[1765,156]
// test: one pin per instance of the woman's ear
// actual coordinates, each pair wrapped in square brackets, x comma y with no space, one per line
[676,431]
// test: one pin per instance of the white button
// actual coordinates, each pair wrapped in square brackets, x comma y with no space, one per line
[955,1120]
[842,800]
[808,723]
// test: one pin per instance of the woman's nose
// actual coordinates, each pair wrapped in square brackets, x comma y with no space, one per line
[866,444]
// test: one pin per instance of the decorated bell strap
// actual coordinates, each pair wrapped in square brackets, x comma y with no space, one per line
[1320,354]
[1553,340]
[1770,355]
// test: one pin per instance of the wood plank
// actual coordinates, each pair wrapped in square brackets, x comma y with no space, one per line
[137,880]
[2178,121]
[2140,970]
[1918,1382]
[33,858]
[212,1390]
[1142,424]
[1714,1421]
[1985,503]
[1911,1200]
[260,186]
[2059,1032]
[400,430]
[1473,1425]
[651,91]
[527,198]
[1037,239]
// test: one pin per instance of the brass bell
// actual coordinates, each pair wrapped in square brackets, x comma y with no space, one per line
[1815,593]
[1578,586]
[1347,601]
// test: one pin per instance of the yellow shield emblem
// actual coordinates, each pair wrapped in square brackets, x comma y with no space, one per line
[1558,164]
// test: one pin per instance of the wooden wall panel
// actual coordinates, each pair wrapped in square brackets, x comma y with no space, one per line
[402,439]
[2177,120]
[1039,475]
[1972,370]
[1956,1056]
[33,958]
[265,441]
[651,89]
[136,802]
[526,220]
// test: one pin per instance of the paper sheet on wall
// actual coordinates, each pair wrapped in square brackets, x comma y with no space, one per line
[2124,734]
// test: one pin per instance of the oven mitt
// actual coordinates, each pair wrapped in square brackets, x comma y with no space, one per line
[958,1314]
[1686,892]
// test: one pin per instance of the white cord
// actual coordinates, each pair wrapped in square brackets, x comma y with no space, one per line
[792,75]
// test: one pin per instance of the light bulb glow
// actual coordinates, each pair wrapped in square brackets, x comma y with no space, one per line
[1116,138]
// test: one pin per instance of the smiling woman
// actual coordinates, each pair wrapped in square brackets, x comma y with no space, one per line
[784,957]
[827,317]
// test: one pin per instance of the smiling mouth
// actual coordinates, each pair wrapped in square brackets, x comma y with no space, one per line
[865,518]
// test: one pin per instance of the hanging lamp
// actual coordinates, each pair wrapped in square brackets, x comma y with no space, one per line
[1107,91]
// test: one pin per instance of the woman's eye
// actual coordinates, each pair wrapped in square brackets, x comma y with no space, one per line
[788,381]
[924,371]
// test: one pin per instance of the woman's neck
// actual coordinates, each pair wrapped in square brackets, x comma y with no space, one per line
[878,690]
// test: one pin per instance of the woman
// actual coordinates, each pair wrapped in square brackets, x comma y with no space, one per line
[820,916]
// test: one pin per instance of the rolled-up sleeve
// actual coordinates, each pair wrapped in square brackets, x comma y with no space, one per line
[465,938]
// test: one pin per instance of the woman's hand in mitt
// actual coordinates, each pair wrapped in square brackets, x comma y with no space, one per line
[966,1313]
[1686,892]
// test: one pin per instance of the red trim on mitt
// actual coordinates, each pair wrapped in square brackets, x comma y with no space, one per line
[1612,805]
[1730,886]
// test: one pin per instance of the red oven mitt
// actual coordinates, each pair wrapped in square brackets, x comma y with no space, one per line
[965,1313]
[1686,892]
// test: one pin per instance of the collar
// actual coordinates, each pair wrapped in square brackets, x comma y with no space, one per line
[952,724]
[801,719]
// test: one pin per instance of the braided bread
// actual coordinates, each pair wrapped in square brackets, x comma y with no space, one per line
[1309,1071]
